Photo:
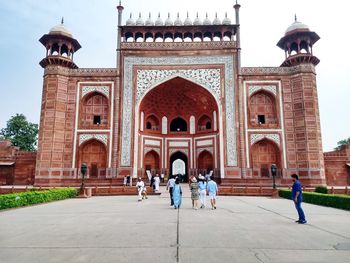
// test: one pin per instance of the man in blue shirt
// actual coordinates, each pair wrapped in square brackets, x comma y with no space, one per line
[212,188]
[297,197]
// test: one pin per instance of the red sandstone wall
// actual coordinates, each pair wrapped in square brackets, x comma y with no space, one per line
[337,171]
[22,171]
[25,168]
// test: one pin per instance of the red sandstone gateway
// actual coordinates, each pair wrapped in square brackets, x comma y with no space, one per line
[178,102]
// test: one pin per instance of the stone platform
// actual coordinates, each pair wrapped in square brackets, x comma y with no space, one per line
[120,229]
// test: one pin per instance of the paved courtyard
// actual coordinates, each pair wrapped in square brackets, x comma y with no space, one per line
[119,229]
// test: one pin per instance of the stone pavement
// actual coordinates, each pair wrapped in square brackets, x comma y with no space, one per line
[120,229]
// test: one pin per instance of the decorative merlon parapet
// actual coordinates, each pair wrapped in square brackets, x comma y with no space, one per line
[303,68]
[179,45]
[105,72]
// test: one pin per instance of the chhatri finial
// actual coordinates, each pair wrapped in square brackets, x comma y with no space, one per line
[62,20]
[295,18]
[130,15]
[168,14]
[178,15]
[140,15]
[158,14]
[149,15]
[197,15]
[206,15]
[187,14]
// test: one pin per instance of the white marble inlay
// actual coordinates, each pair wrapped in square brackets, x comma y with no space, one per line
[164,125]
[204,142]
[257,137]
[152,142]
[148,149]
[178,144]
[88,89]
[255,88]
[146,79]
[192,125]
[100,137]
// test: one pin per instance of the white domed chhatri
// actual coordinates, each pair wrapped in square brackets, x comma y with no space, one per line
[168,21]
[206,21]
[149,21]
[130,21]
[226,20]
[216,21]
[197,21]
[188,21]
[159,21]
[297,26]
[139,21]
[60,30]
[178,21]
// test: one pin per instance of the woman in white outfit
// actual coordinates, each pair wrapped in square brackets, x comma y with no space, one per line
[202,190]
[156,183]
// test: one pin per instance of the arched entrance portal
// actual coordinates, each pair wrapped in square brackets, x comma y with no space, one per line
[205,161]
[179,165]
[264,153]
[151,160]
[94,154]
[186,111]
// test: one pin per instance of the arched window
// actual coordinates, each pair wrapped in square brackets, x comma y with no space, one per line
[264,153]
[152,123]
[94,111]
[262,109]
[204,123]
[178,125]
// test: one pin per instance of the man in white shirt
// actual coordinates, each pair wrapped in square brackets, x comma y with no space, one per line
[140,187]
[170,186]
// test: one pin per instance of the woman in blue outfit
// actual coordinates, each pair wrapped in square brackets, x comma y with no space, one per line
[177,193]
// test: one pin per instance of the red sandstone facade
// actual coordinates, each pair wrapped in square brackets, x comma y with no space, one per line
[179,96]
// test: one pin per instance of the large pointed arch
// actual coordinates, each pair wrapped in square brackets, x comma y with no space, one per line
[264,153]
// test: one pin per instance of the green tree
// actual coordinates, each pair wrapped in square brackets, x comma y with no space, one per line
[342,143]
[21,133]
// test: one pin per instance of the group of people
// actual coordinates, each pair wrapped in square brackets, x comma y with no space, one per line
[203,186]
[199,190]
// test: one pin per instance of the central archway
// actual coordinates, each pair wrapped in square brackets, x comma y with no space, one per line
[185,112]
[178,158]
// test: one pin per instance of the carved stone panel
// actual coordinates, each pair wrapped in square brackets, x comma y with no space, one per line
[100,137]
[255,88]
[257,137]
[88,89]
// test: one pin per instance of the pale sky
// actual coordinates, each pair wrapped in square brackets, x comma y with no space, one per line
[93,23]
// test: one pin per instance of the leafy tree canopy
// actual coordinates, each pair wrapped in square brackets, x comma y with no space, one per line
[342,143]
[21,133]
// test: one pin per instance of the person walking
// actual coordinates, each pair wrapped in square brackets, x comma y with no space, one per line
[152,183]
[202,185]
[194,192]
[177,193]
[156,183]
[212,188]
[140,188]
[297,197]
[170,186]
